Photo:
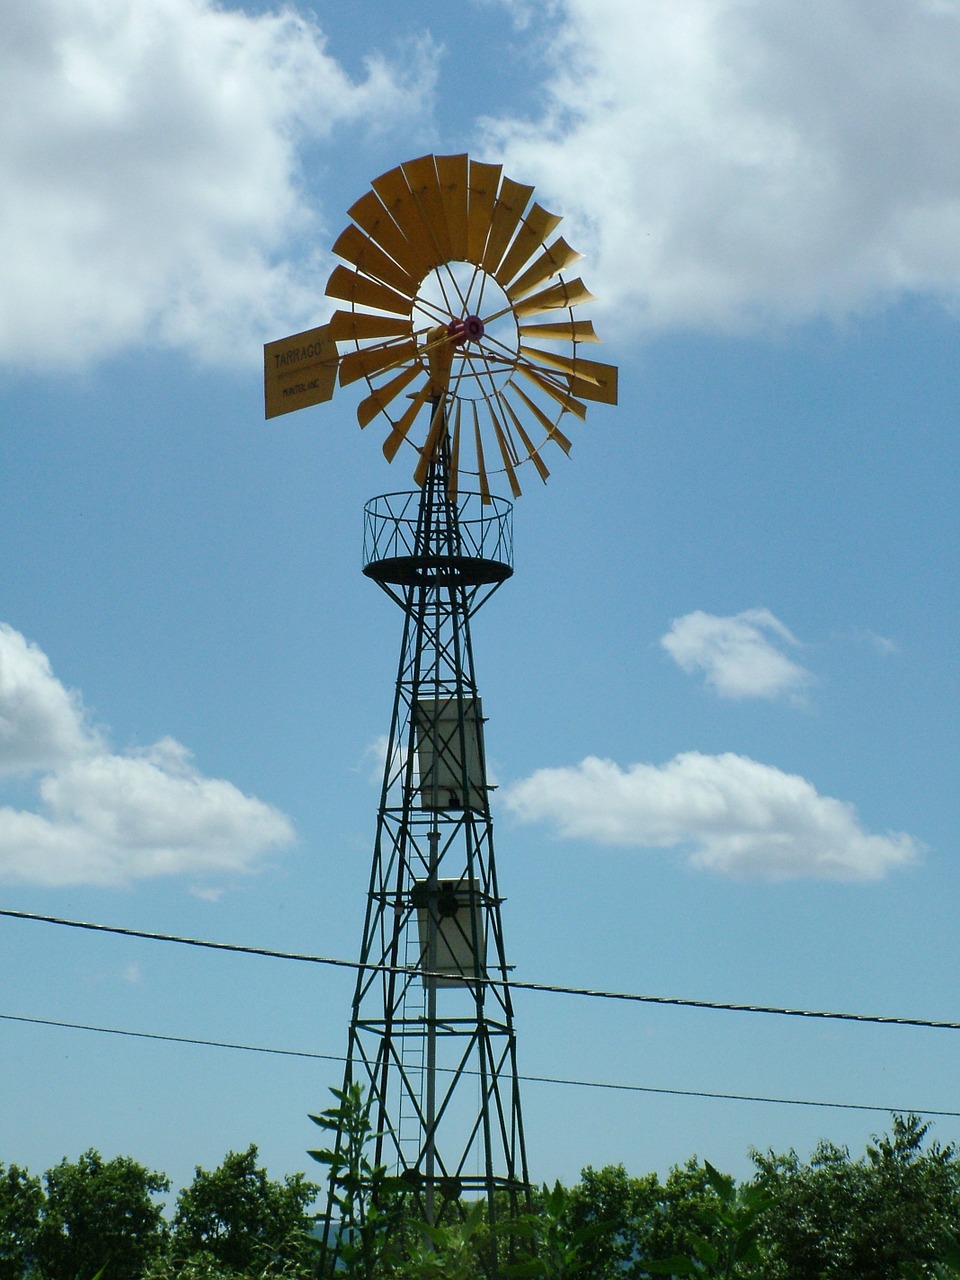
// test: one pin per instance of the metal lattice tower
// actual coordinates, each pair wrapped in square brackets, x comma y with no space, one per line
[431,1033]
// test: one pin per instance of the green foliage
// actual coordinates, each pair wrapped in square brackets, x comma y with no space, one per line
[447,1251]
[364,1206]
[21,1206]
[624,1215]
[871,1218]
[893,1214]
[558,1245]
[238,1220]
[100,1214]
[687,1211]
[946,1268]
[642,1217]
[729,1245]
[204,1266]
[373,1231]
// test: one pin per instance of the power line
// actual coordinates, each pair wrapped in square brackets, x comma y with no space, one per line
[526,1079]
[156,1035]
[512,984]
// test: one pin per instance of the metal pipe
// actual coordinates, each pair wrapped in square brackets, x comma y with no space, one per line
[433,925]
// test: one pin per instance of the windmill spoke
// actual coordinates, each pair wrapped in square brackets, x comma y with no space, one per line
[439,314]
[441,272]
[484,373]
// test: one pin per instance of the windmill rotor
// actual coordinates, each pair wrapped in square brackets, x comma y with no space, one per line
[457,297]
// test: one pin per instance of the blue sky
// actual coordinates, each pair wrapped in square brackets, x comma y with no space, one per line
[722,685]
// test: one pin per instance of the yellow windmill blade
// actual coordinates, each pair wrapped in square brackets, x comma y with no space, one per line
[403,207]
[508,208]
[531,234]
[401,429]
[370,216]
[435,437]
[562,331]
[454,468]
[572,366]
[453,173]
[481,465]
[564,294]
[380,400]
[383,358]
[483,184]
[509,458]
[449,274]
[350,326]
[350,286]
[363,252]
[424,183]
[595,381]
[532,453]
[553,431]
[553,260]
[550,388]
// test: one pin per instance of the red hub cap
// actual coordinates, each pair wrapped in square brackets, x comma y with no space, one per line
[469,329]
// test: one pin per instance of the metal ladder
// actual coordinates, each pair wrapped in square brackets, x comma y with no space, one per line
[412,1047]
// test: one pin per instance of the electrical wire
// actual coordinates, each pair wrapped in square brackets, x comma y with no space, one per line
[524,1079]
[512,984]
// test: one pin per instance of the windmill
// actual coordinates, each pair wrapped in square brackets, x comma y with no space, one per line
[457,313]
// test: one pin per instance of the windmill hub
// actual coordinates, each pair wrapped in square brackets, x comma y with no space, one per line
[469,329]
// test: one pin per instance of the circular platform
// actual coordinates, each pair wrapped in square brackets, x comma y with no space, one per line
[473,546]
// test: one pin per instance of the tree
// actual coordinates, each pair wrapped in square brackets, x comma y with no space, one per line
[871,1218]
[728,1248]
[642,1218]
[947,1266]
[624,1209]
[100,1214]
[21,1204]
[243,1221]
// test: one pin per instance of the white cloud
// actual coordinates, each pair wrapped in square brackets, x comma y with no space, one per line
[738,654]
[207,893]
[737,817]
[881,645]
[41,723]
[729,163]
[149,154]
[106,818]
[374,759]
